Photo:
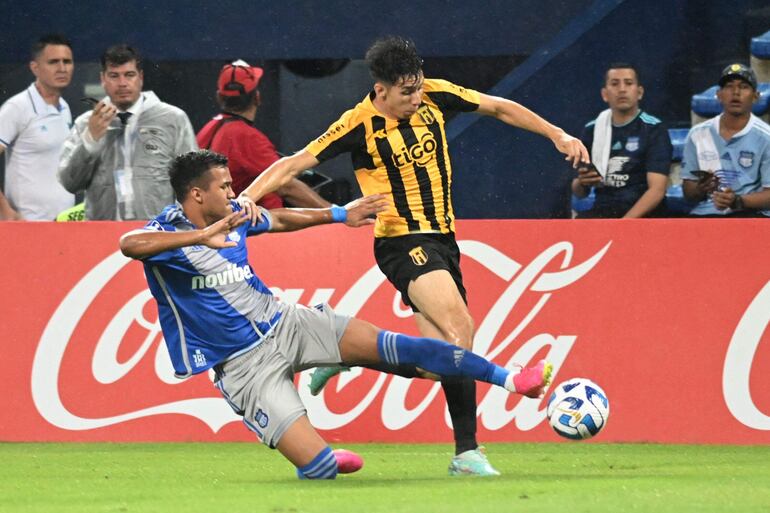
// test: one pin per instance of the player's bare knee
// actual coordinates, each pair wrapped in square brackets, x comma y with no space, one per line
[458,329]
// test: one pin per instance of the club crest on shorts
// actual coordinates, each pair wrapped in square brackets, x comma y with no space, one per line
[261,418]
[419,257]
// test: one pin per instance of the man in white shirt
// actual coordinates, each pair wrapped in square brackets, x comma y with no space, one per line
[120,151]
[33,127]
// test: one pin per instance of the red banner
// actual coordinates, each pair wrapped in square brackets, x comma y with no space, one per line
[669,316]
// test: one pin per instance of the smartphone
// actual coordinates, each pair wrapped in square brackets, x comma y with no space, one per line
[589,167]
[91,102]
[701,174]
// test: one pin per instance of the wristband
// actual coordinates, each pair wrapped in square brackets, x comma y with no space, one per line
[339,214]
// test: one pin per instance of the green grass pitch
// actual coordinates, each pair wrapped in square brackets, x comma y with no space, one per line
[241,477]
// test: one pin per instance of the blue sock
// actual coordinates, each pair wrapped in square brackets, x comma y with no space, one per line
[323,466]
[437,357]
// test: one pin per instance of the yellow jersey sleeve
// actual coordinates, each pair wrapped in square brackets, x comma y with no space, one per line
[343,136]
[449,97]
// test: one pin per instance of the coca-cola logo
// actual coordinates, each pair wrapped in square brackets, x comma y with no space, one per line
[739,360]
[489,342]
[105,366]
[532,279]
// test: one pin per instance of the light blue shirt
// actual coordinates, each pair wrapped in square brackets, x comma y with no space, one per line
[742,163]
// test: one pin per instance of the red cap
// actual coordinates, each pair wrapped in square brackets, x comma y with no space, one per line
[238,78]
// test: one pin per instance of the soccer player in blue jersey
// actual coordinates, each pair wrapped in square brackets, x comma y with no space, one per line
[216,313]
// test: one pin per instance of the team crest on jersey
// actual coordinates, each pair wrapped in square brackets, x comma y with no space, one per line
[234,236]
[426,115]
[261,418]
[199,359]
[632,144]
[419,257]
[746,159]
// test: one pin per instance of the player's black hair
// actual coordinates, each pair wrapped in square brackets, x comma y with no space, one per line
[190,170]
[236,103]
[118,55]
[622,65]
[48,39]
[393,58]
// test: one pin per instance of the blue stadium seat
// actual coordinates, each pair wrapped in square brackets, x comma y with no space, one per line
[675,202]
[706,105]
[760,56]
[677,136]
[760,46]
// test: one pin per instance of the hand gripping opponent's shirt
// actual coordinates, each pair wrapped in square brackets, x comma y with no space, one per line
[406,160]
[211,304]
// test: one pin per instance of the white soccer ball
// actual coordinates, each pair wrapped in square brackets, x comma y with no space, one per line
[578,409]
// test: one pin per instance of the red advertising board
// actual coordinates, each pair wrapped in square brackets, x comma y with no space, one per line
[669,316]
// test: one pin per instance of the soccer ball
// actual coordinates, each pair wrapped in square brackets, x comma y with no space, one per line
[578,409]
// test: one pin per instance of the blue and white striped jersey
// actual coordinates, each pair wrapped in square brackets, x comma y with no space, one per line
[211,304]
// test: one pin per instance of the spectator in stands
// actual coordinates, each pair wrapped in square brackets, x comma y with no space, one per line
[33,127]
[726,163]
[248,150]
[120,151]
[630,151]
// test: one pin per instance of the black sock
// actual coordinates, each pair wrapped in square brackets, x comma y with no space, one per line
[461,399]
[460,396]
[405,371]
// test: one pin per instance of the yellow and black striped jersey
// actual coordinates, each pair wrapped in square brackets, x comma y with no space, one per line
[407,160]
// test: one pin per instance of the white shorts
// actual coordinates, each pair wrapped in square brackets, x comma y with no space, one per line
[259,384]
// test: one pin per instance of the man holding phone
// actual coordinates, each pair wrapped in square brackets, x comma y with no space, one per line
[726,162]
[33,127]
[630,153]
[120,151]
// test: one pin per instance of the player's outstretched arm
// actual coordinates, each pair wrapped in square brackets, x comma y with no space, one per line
[517,115]
[298,194]
[356,213]
[279,174]
[141,244]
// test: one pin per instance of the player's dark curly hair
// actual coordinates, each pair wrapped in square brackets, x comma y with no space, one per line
[190,170]
[393,58]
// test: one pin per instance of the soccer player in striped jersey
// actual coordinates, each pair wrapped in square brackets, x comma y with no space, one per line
[397,142]
[216,313]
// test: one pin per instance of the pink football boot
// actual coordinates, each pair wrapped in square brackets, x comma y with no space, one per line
[347,461]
